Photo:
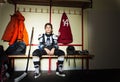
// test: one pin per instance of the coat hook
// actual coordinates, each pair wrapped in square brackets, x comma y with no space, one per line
[36,10]
[74,12]
[58,11]
[41,10]
[63,10]
[80,13]
[18,8]
[23,9]
[47,10]
[69,11]
[53,11]
[29,9]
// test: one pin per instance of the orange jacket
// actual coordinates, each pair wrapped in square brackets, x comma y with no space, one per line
[16,30]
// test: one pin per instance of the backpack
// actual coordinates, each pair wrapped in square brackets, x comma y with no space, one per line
[4,65]
[18,48]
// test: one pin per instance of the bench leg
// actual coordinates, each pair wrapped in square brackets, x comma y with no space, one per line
[87,63]
[82,63]
[12,64]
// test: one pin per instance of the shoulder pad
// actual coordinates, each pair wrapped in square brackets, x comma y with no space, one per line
[40,36]
[55,36]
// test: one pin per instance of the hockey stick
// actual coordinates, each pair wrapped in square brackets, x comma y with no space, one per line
[25,73]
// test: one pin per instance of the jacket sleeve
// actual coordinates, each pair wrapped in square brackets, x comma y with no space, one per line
[55,38]
[41,43]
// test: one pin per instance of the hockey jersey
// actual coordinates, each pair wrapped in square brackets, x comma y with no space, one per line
[65,36]
[47,41]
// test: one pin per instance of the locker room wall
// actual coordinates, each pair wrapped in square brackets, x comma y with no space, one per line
[38,20]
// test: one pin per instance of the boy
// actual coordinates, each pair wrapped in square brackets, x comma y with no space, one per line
[48,45]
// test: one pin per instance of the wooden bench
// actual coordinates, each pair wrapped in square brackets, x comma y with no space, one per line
[82,57]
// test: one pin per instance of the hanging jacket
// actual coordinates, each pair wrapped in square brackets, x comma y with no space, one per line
[16,30]
[65,36]
[8,33]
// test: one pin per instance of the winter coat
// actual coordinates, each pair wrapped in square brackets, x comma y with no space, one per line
[16,30]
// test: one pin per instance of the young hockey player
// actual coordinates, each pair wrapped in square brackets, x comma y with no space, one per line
[48,46]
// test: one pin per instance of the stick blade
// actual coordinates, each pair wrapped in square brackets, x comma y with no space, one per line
[20,77]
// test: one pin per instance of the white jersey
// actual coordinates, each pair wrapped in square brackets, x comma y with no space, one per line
[48,41]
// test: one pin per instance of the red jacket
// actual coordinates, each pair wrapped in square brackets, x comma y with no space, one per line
[16,30]
[65,30]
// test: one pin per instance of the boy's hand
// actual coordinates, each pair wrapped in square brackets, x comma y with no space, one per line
[52,51]
[47,51]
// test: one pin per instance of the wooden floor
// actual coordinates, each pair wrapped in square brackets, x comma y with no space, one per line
[110,75]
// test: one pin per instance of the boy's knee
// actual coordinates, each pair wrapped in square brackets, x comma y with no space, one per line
[61,53]
[37,52]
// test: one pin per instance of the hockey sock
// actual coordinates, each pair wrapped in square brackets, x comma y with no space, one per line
[36,63]
[60,62]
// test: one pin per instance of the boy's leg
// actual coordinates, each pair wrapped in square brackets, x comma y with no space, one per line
[59,69]
[36,66]
[36,61]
